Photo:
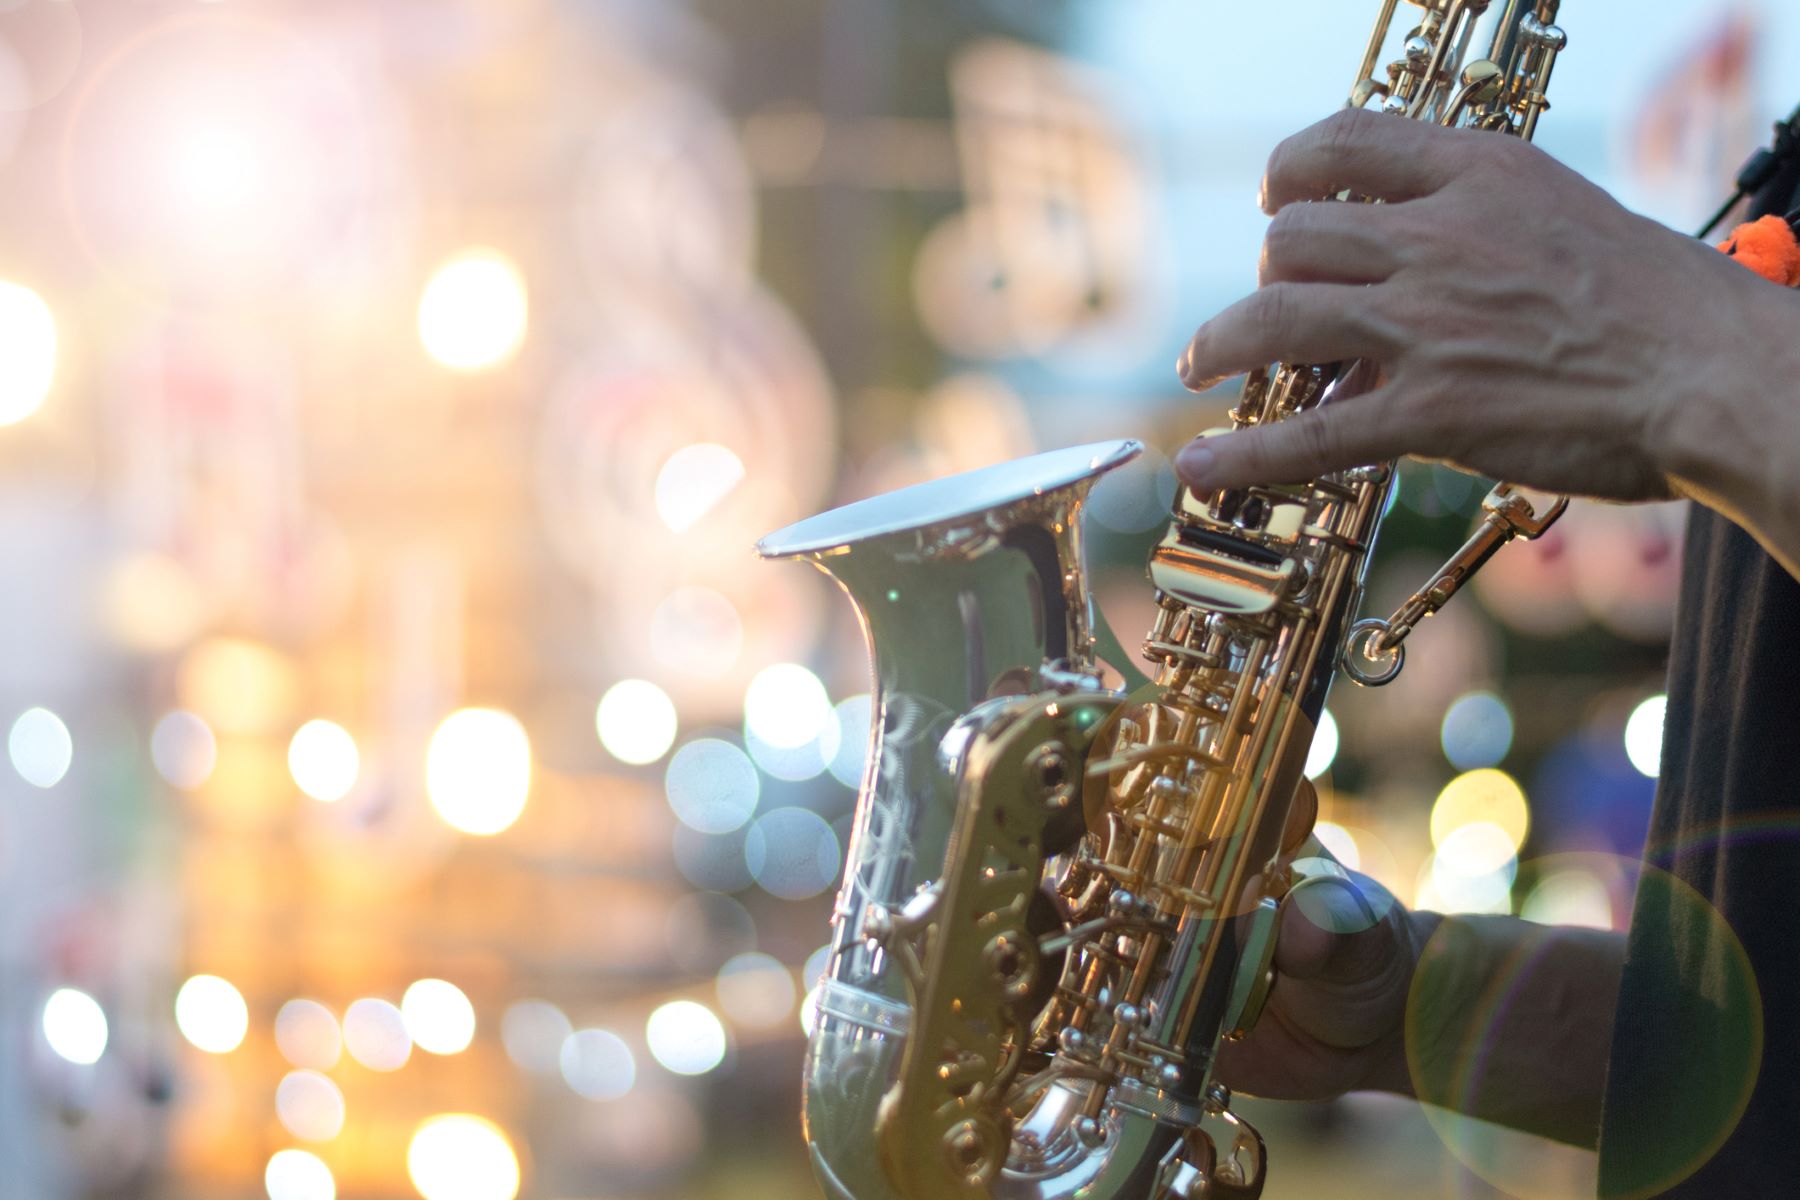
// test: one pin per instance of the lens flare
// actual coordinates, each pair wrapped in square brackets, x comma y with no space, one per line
[712,786]
[1323,751]
[473,313]
[439,1017]
[40,747]
[597,1063]
[298,1175]
[457,1156]
[310,1106]
[211,1014]
[183,750]
[375,1034]
[636,721]
[693,482]
[1487,796]
[686,1038]
[478,770]
[75,1026]
[324,761]
[27,352]
[1644,736]
[1571,897]
[307,1035]
[786,706]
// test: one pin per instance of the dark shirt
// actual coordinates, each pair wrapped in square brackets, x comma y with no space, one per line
[1703,1091]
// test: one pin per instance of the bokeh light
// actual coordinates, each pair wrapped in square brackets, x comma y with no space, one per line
[533,1032]
[462,1157]
[40,747]
[310,1106]
[1571,897]
[439,1017]
[1487,796]
[474,311]
[75,1026]
[786,706]
[375,1035]
[693,482]
[1644,735]
[712,786]
[298,1175]
[211,1014]
[686,1037]
[323,760]
[27,352]
[636,721]
[478,770]
[795,764]
[1477,731]
[855,729]
[237,685]
[307,1035]
[183,750]
[792,853]
[1323,751]
[1472,871]
[756,990]
[597,1063]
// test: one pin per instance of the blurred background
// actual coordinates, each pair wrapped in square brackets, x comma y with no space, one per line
[414,784]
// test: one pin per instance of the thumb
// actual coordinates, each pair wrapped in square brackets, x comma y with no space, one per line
[1334,930]
[1350,433]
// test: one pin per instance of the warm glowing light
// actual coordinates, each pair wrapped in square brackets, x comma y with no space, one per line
[533,1032]
[786,706]
[40,747]
[1486,796]
[1323,751]
[236,685]
[375,1034]
[1644,735]
[183,750]
[75,1026]
[636,721]
[693,482]
[473,313]
[1477,731]
[792,853]
[462,1157]
[310,1106]
[712,786]
[1340,842]
[686,1038]
[597,1063]
[298,1175]
[478,770]
[323,760]
[1569,898]
[307,1035]
[27,352]
[149,602]
[756,990]
[211,1014]
[1471,872]
[216,169]
[438,1016]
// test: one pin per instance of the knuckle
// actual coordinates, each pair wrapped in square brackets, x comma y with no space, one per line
[1344,135]
[1286,234]
[1275,310]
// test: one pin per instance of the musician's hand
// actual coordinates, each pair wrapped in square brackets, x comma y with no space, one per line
[1526,326]
[1335,1021]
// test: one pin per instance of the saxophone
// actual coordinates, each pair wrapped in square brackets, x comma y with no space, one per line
[1060,896]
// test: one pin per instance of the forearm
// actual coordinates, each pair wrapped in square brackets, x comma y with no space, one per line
[1737,448]
[1511,1022]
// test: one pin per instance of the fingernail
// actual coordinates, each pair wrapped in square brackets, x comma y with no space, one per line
[1183,364]
[1193,463]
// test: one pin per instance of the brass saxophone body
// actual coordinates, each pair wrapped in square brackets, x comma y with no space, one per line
[1061,897]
